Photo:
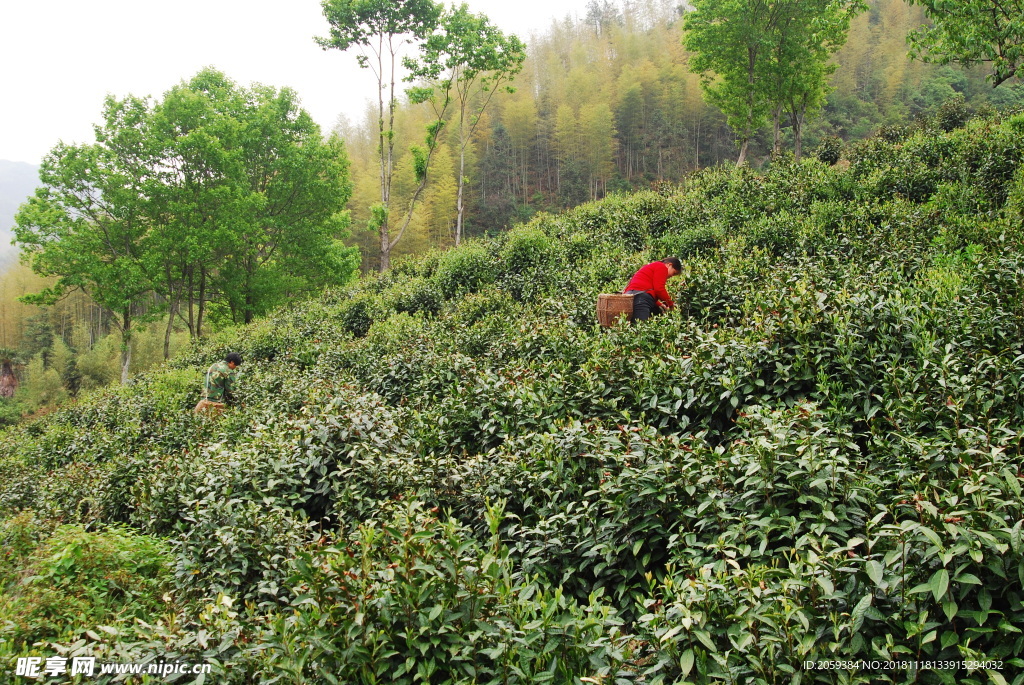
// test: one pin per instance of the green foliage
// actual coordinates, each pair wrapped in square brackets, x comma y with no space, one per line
[77,580]
[1015,197]
[216,197]
[450,473]
[20,534]
[415,599]
[526,255]
[466,60]
[416,295]
[829,150]
[87,224]
[11,412]
[253,207]
[419,162]
[378,217]
[953,113]
[972,32]
[726,40]
[44,385]
[464,271]
[358,22]
[759,58]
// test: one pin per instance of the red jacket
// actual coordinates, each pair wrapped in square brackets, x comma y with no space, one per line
[652,279]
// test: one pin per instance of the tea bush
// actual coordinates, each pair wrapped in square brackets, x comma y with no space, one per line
[450,473]
[830,150]
[464,271]
[415,599]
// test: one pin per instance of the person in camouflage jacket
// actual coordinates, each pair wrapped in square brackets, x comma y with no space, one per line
[219,383]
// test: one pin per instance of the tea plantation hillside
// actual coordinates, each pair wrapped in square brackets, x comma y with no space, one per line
[451,474]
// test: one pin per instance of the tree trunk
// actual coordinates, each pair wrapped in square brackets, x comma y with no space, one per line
[460,208]
[202,302]
[172,306]
[385,247]
[798,134]
[459,202]
[249,306]
[126,344]
[749,124]
[192,303]
[776,131]
[412,202]
[463,142]
[743,151]
[387,150]
[8,381]
[170,328]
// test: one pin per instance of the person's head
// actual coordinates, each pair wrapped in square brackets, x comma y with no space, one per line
[233,359]
[675,267]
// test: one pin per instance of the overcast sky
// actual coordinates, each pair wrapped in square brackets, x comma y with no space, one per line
[59,59]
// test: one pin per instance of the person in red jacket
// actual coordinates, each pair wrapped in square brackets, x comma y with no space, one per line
[648,288]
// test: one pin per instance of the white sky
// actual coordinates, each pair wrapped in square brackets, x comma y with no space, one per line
[59,59]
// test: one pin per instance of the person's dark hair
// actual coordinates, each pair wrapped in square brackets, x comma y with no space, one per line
[233,357]
[674,261]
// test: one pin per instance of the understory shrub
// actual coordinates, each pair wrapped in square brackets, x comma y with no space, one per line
[77,579]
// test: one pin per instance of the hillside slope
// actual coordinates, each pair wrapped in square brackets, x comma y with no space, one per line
[449,473]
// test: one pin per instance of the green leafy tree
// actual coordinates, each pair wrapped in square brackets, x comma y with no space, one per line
[598,136]
[766,57]
[196,198]
[291,189]
[806,36]
[381,30]
[569,154]
[216,195]
[468,60]
[973,32]
[493,203]
[521,121]
[629,116]
[89,224]
[729,39]
[254,199]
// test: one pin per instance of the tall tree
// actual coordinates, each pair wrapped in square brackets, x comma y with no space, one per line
[520,119]
[89,223]
[292,187]
[566,139]
[728,39]
[629,119]
[973,32]
[493,202]
[468,59]
[253,198]
[761,57]
[217,195]
[798,66]
[196,197]
[598,137]
[385,28]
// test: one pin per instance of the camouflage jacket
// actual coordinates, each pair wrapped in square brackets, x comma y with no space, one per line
[220,381]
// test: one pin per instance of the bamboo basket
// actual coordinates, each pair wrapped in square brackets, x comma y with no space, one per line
[612,308]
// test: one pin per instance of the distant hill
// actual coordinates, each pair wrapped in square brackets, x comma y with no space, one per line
[17,181]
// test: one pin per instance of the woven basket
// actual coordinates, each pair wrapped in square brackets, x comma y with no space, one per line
[613,308]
